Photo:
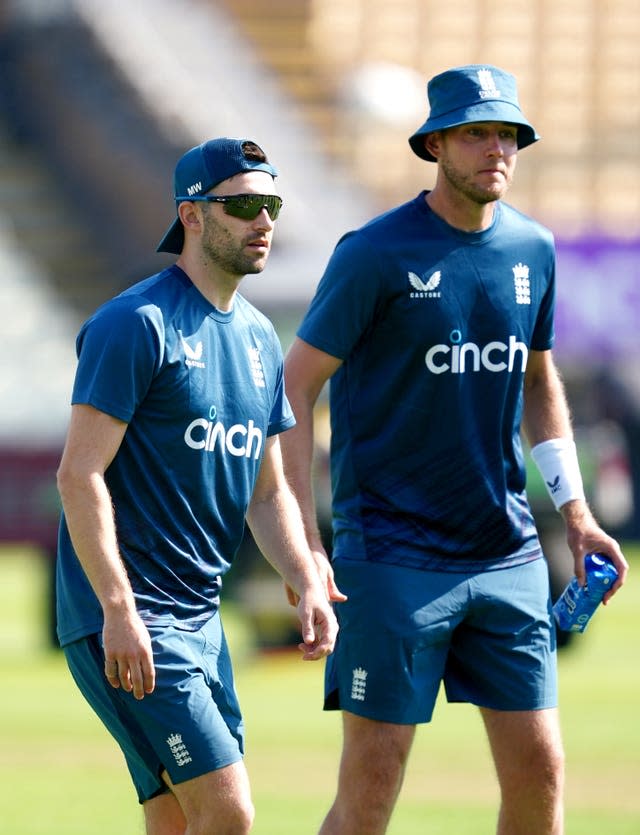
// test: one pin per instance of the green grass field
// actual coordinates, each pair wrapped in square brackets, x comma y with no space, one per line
[61,774]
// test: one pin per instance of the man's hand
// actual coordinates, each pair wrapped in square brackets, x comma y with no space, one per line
[585,536]
[318,622]
[325,571]
[128,655]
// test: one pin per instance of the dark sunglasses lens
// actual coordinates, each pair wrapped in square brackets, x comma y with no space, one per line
[249,206]
[273,204]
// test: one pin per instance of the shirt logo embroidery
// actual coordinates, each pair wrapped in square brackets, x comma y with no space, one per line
[255,363]
[521,283]
[193,356]
[425,289]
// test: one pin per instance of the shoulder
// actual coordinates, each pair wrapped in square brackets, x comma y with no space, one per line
[249,319]
[165,290]
[250,315]
[525,225]
[140,309]
[381,231]
[145,296]
[123,319]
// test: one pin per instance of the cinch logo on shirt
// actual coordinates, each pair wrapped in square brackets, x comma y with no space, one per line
[467,356]
[241,441]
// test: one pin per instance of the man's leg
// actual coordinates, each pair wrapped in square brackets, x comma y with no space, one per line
[218,802]
[528,754]
[374,756]
[163,816]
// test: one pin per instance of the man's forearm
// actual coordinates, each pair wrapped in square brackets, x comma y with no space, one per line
[89,516]
[276,525]
[297,452]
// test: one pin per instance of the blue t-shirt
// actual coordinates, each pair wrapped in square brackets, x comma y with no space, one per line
[434,326]
[200,390]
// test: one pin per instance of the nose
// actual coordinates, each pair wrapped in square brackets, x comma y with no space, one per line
[494,144]
[263,221]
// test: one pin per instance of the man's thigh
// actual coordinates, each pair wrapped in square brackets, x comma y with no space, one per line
[527,751]
[215,799]
[395,633]
[487,634]
[190,725]
[503,654]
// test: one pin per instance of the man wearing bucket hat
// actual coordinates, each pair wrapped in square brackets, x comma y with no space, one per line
[178,403]
[434,323]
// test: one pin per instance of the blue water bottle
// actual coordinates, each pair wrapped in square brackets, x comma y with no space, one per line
[576,604]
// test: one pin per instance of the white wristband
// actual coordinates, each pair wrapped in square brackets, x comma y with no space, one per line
[557,461]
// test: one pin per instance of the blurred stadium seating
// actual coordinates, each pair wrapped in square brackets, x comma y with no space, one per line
[578,69]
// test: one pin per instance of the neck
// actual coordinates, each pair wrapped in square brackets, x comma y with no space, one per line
[460,211]
[218,288]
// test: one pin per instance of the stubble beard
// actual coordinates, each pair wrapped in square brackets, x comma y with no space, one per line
[477,194]
[222,249]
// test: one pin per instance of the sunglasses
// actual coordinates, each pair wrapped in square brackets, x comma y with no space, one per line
[246,206]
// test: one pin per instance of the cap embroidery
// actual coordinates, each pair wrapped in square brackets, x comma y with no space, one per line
[488,85]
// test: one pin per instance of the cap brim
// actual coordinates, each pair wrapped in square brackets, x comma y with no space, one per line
[173,239]
[496,111]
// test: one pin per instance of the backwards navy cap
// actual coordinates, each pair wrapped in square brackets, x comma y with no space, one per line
[474,93]
[202,168]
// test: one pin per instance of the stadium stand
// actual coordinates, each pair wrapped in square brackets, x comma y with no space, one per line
[578,69]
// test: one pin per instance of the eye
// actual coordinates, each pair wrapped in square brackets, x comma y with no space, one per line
[509,134]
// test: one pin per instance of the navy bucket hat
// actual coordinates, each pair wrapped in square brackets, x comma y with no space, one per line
[202,168]
[473,93]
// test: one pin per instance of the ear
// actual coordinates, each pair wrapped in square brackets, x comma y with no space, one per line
[190,216]
[432,142]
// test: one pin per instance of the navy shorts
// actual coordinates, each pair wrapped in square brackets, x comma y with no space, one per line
[488,636]
[191,723]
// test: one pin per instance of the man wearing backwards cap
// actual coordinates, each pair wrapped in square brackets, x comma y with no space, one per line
[435,324]
[178,403]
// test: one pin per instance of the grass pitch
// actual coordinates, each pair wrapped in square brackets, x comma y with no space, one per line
[61,773]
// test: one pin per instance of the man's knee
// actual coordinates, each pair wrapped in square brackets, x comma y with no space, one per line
[217,802]
[552,764]
[238,820]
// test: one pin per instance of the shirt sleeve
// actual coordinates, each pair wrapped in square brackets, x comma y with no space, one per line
[119,352]
[347,300]
[281,417]
[543,335]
